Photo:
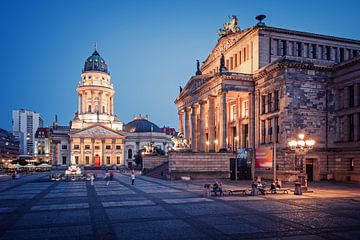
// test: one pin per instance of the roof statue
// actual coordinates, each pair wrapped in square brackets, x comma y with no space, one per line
[198,71]
[229,27]
[222,64]
[150,149]
[260,18]
[180,143]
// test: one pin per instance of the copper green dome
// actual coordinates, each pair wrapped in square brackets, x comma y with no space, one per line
[95,63]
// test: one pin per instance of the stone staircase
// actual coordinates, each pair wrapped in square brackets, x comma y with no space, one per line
[161,171]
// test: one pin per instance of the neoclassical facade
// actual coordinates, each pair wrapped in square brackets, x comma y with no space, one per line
[261,86]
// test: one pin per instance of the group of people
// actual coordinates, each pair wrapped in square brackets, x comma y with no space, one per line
[110,175]
[275,185]
[216,188]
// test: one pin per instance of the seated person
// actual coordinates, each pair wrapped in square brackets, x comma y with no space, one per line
[272,186]
[261,188]
[278,183]
[217,188]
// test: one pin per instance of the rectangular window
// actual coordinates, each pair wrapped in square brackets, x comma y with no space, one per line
[108,160]
[351,164]
[245,109]
[270,102]
[87,147]
[108,147]
[244,51]
[245,130]
[233,112]
[298,49]
[263,132]
[240,57]
[64,160]
[63,146]
[76,147]
[263,104]
[351,127]
[276,100]
[355,53]
[76,159]
[87,160]
[231,63]
[97,147]
[283,47]
[247,52]
[277,130]
[351,96]
[328,53]
[117,160]
[118,147]
[236,60]
[313,51]
[342,54]
[270,129]
[227,64]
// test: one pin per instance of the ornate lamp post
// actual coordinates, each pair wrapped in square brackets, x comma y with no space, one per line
[301,146]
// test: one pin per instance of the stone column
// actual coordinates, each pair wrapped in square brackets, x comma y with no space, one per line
[83,94]
[187,123]
[181,121]
[193,127]
[113,160]
[252,129]
[211,123]
[356,127]
[79,102]
[92,152]
[223,121]
[82,157]
[202,142]
[100,102]
[92,101]
[103,152]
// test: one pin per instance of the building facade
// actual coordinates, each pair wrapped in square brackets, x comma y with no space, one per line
[262,86]
[9,147]
[25,123]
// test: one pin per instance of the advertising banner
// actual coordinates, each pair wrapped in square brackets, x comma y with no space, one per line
[263,158]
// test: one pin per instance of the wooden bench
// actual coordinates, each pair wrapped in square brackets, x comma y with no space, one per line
[275,191]
[241,191]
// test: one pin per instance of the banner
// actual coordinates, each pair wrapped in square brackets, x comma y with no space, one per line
[263,158]
[243,157]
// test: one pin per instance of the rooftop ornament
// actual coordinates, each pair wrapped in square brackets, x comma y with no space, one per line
[229,27]
[260,18]
[180,143]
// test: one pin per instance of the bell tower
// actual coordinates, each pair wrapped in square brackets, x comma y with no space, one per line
[95,95]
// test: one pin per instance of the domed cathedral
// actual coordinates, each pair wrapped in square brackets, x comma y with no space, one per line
[95,137]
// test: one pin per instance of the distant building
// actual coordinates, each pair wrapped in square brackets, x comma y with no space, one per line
[169,131]
[26,122]
[42,149]
[9,146]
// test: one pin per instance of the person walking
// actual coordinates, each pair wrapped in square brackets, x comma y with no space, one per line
[132,177]
[107,177]
[92,179]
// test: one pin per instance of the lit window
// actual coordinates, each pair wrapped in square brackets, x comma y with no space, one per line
[245,109]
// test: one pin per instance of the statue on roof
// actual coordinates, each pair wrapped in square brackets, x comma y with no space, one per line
[198,71]
[229,27]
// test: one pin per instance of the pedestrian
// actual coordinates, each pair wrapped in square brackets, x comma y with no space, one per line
[132,177]
[92,179]
[13,176]
[111,176]
[107,177]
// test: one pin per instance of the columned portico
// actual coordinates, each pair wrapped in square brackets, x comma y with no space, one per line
[193,128]
[211,123]
[188,123]
[223,120]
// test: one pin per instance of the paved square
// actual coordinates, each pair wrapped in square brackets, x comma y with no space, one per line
[34,208]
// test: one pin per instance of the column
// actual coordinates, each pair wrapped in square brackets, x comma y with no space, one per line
[113,160]
[252,130]
[102,151]
[211,123]
[112,104]
[202,142]
[187,123]
[100,102]
[92,101]
[83,94]
[181,121]
[193,127]
[223,121]
[79,102]
[346,97]
[82,157]
[356,127]
[92,152]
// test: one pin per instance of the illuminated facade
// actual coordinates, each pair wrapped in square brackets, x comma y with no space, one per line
[261,86]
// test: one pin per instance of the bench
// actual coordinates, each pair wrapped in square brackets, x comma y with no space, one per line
[232,191]
[275,191]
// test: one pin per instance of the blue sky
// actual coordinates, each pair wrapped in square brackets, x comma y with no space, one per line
[150,47]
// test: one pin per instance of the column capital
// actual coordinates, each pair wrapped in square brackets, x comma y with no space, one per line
[195,105]
[222,91]
[202,102]
[181,111]
[187,109]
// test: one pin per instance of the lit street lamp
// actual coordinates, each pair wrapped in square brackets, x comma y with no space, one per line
[301,147]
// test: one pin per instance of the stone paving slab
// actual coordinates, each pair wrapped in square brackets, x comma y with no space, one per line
[187,200]
[128,203]
[59,206]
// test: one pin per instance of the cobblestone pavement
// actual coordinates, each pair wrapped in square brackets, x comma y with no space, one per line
[35,208]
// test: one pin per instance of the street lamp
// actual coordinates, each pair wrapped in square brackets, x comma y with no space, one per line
[301,146]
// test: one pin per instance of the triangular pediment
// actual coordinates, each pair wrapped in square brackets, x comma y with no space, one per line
[96,131]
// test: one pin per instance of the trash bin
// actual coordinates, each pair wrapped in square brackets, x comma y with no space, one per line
[298,190]
[254,190]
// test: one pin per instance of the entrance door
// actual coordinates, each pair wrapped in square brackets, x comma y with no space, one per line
[96,161]
[310,172]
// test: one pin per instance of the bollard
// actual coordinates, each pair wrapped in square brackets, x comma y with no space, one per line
[254,190]
[298,190]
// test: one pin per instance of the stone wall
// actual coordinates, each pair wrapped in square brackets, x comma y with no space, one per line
[199,165]
[150,162]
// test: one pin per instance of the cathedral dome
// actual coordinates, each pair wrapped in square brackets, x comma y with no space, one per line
[141,125]
[95,63]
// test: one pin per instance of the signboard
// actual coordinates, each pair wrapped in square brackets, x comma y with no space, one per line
[263,158]
[243,157]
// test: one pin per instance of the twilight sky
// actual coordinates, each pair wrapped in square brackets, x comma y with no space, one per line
[150,47]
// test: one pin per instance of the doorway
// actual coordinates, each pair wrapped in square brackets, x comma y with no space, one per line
[310,168]
[97,161]
[239,170]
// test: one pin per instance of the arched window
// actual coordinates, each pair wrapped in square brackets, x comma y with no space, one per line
[89,108]
[130,154]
